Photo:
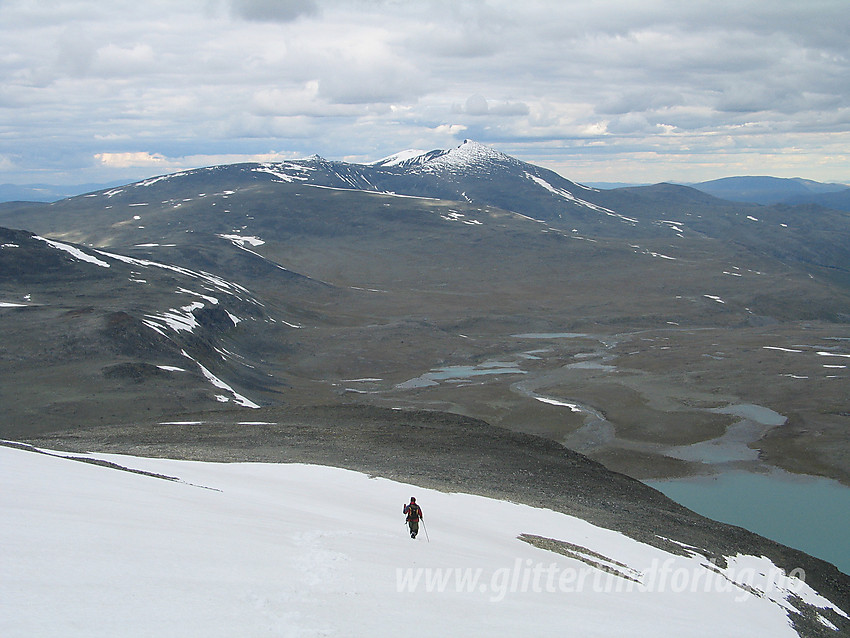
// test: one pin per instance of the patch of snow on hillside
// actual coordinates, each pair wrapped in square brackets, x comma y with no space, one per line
[185,291]
[178,319]
[561,192]
[557,191]
[760,576]
[285,171]
[237,398]
[241,240]
[336,188]
[676,227]
[154,180]
[256,549]
[587,188]
[456,216]
[644,251]
[714,298]
[574,407]
[352,182]
[73,251]
[222,285]
[398,158]
[221,385]
[241,246]
[392,194]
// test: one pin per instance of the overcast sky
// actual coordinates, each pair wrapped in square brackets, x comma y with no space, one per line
[609,90]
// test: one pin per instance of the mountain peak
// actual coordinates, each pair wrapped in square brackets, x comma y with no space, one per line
[468,154]
[477,151]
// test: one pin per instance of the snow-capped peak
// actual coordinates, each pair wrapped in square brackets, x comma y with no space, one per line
[397,158]
[468,153]
[461,158]
[471,146]
[471,152]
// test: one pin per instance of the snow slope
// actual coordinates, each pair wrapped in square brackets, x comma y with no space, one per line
[255,549]
[398,158]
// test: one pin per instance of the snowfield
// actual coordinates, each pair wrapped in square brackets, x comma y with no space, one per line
[251,549]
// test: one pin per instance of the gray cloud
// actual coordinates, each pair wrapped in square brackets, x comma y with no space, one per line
[273,10]
[477,104]
[638,99]
[581,86]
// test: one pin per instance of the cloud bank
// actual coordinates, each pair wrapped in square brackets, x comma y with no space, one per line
[611,90]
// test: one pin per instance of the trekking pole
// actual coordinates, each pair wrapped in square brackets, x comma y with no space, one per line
[425,529]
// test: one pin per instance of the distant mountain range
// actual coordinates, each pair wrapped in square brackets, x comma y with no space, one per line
[774,190]
[756,190]
[46,192]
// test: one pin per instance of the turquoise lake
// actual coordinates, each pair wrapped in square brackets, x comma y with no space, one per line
[808,513]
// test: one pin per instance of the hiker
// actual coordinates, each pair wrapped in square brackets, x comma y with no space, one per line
[414,514]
